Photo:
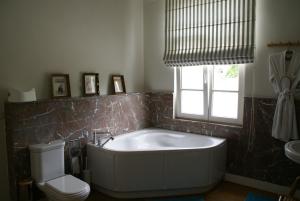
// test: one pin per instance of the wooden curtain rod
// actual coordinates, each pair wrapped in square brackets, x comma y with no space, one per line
[284,44]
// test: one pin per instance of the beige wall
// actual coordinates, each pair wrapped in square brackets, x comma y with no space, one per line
[276,20]
[42,37]
[157,75]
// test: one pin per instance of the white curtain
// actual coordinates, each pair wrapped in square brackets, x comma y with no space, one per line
[285,76]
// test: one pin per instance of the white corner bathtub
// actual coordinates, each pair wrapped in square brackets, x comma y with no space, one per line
[157,162]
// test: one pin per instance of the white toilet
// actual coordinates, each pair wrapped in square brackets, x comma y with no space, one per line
[48,171]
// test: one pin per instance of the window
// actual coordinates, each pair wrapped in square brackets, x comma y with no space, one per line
[212,93]
[215,33]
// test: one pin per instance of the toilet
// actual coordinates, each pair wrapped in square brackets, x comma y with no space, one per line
[48,171]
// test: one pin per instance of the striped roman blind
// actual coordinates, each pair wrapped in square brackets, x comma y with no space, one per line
[202,32]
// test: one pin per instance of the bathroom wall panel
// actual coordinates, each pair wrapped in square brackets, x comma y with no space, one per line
[271,26]
[43,121]
[252,152]
[72,36]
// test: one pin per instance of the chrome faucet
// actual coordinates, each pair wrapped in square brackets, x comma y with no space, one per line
[106,141]
[97,141]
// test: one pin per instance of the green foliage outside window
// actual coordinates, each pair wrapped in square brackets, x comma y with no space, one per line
[232,72]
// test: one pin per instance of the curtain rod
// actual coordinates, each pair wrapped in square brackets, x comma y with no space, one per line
[284,44]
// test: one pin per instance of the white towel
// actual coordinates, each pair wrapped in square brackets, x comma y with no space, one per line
[75,165]
[21,96]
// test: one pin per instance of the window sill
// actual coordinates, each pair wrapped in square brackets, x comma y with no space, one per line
[213,123]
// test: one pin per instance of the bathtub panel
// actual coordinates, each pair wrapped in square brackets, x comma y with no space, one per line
[156,160]
[187,169]
[101,165]
[138,171]
[218,162]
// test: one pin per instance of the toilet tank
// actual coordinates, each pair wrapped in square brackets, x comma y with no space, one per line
[47,161]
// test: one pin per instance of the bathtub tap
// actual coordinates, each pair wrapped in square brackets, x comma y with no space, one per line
[106,141]
[98,140]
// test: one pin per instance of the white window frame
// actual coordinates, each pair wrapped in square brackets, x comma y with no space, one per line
[207,94]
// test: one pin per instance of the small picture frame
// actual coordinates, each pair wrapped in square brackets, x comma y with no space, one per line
[60,86]
[119,84]
[90,83]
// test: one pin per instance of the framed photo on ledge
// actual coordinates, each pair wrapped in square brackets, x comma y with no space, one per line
[60,86]
[90,83]
[119,84]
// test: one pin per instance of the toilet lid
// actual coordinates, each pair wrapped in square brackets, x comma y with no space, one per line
[67,185]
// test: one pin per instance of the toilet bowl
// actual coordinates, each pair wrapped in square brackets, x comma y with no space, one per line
[65,188]
[48,171]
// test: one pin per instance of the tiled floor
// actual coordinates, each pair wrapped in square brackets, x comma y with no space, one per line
[223,192]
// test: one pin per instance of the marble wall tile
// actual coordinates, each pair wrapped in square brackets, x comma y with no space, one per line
[252,152]
[44,121]
[262,156]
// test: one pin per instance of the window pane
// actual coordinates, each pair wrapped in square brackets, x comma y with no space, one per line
[192,102]
[192,77]
[226,77]
[225,104]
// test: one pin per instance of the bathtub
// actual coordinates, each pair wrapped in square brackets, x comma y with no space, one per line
[157,162]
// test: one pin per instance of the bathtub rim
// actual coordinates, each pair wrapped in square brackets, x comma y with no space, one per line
[221,143]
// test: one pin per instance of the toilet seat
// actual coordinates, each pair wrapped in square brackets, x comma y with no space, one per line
[66,188]
[67,185]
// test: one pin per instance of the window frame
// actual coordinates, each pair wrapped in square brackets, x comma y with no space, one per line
[207,94]
[178,85]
